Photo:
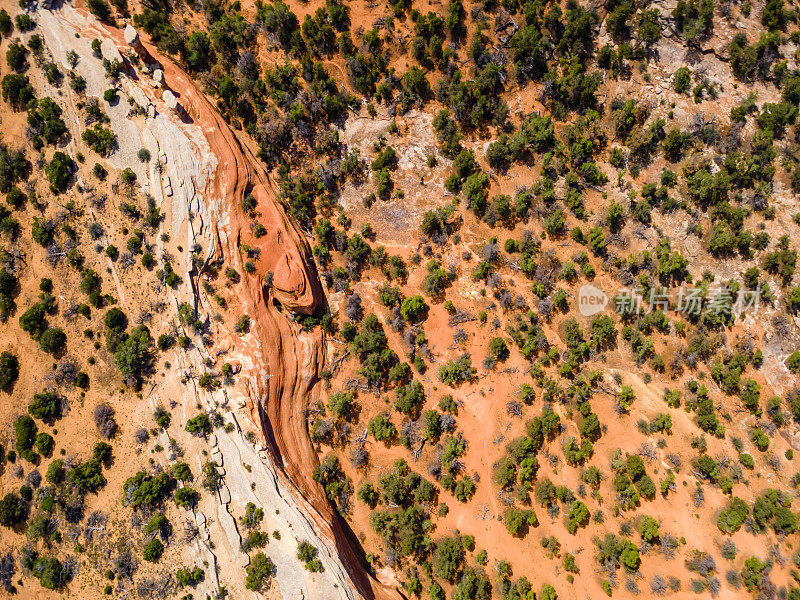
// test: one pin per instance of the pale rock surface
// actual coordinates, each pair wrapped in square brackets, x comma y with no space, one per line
[170,100]
[132,37]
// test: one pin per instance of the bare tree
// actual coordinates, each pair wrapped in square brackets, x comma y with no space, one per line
[125,565]
[104,419]
[95,526]
[34,479]
[155,587]
[358,455]
[7,570]
[353,309]
[657,585]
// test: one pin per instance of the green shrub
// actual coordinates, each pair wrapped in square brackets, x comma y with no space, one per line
[186,497]
[157,524]
[16,57]
[46,406]
[181,471]
[518,521]
[18,92]
[153,550]
[760,439]
[448,558]
[752,573]
[548,592]
[146,491]
[464,489]
[189,577]
[368,494]
[731,518]
[199,425]
[578,516]
[454,372]
[9,371]
[59,172]
[381,428]
[259,572]
[212,480]
[707,467]
[307,554]
[793,362]
[52,575]
[133,355]
[128,176]
[55,472]
[88,476]
[53,340]
[410,398]
[102,452]
[413,309]
[682,80]
[13,510]
[252,515]
[44,444]
[341,404]
[6,26]
[25,431]
[42,231]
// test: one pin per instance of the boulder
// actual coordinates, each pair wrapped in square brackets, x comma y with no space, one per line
[132,37]
[170,99]
[110,52]
[138,95]
[172,102]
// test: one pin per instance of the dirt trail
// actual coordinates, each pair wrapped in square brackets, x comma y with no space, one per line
[208,173]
